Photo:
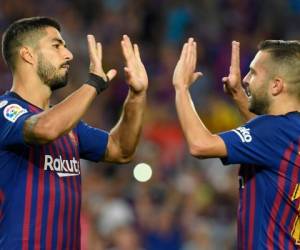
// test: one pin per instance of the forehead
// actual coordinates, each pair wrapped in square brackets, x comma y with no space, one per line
[52,34]
[260,61]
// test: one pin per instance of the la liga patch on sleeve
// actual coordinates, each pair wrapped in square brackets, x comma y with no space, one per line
[13,111]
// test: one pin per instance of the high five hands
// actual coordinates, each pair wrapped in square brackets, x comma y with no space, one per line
[233,83]
[135,72]
[184,74]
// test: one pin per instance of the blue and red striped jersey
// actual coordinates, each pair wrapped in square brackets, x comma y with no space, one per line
[268,149]
[40,185]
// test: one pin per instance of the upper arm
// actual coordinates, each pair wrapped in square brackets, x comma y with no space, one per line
[215,147]
[258,142]
[114,152]
[93,142]
[12,119]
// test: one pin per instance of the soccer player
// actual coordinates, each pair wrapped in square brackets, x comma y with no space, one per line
[267,146]
[40,146]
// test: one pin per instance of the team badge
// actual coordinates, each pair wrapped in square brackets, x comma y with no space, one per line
[13,111]
[3,103]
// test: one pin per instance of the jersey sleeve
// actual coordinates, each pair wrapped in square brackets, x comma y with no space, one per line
[12,118]
[92,142]
[257,142]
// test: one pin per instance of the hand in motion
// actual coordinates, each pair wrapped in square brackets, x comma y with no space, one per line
[95,54]
[184,73]
[135,72]
[232,82]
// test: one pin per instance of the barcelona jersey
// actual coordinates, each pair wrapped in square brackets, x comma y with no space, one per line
[40,185]
[268,149]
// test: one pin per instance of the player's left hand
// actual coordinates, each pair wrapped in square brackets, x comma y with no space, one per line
[135,71]
[184,74]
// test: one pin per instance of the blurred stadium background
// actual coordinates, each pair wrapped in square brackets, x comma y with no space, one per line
[188,204]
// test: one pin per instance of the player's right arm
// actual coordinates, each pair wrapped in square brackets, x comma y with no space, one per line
[233,83]
[49,125]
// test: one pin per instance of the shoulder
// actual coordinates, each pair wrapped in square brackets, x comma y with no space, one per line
[11,108]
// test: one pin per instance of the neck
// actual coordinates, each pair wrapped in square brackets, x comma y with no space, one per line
[31,89]
[281,107]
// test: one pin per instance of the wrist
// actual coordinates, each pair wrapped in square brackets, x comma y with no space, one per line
[137,95]
[97,82]
[181,87]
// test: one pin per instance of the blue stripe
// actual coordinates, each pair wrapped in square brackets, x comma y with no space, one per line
[45,208]
[68,193]
[33,212]
[19,200]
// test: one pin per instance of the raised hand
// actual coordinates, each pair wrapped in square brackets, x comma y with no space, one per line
[135,72]
[184,73]
[95,54]
[232,82]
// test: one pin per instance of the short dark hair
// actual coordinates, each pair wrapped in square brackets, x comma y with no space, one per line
[20,31]
[280,49]
[285,56]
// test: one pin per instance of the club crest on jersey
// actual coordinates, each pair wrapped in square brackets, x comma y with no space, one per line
[244,134]
[13,111]
[62,167]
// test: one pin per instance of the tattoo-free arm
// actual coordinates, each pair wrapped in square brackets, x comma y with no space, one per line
[124,136]
[201,142]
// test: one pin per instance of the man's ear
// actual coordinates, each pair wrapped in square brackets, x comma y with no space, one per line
[277,86]
[26,55]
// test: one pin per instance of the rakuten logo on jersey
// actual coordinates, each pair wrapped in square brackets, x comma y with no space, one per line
[63,168]
[244,134]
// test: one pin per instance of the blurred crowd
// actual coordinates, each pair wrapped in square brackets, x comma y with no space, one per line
[188,204]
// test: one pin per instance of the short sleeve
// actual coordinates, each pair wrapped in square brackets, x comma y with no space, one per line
[257,142]
[92,142]
[12,119]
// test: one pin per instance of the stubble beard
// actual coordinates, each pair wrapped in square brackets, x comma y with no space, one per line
[50,75]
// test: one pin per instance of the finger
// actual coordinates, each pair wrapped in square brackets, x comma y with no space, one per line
[127,47]
[197,75]
[137,52]
[99,51]
[91,47]
[194,55]
[183,52]
[235,56]
[225,79]
[190,49]
[127,72]
[111,74]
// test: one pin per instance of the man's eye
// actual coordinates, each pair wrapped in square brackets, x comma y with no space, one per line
[56,46]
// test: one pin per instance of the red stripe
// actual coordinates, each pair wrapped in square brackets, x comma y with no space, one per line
[252,211]
[276,204]
[61,213]
[62,201]
[78,200]
[69,195]
[1,196]
[78,188]
[49,230]
[76,194]
[28,201]
[1,201]
[40,200]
